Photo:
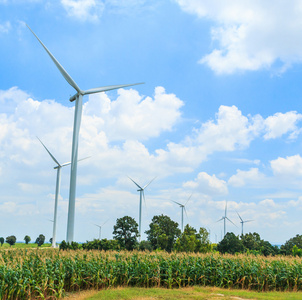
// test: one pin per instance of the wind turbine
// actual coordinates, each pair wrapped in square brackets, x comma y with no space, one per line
[100,226]
[58,183]
[224,218]
[78,98]
[141,195]
[242,222]
[183,208]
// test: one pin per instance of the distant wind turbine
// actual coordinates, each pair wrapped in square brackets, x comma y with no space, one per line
[183,208]
[100,227]
[141,191]
[242,222]
[78,98]
[224,218]
[58,183]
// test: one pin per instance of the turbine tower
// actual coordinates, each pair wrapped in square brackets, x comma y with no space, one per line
[78,98]
[224,218]
[141,191]
[100,227]
[183,208]
[242,222]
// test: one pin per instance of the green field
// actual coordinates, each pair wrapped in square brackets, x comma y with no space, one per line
[49,273]
[23,246]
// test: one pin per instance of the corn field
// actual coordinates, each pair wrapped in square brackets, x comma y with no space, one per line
[49,274]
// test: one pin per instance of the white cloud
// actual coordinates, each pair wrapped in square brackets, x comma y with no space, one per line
[243,178]
[280,124]
[207,184]
[5,27]
[289,167]
[132,117]
[250,35]
[84,10]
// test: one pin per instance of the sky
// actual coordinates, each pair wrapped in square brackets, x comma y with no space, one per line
[219,115]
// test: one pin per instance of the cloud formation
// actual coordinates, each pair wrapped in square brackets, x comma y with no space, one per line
[250,35]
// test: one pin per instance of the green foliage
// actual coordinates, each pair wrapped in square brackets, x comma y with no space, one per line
[1,240]
[126,232]
[11,240]
[40,240]
[296,251]
[70,246]
[163,233]
[27,239]
[288,246]
[254,244]
[103,244]
[145,246]
[191,241]
[230,244]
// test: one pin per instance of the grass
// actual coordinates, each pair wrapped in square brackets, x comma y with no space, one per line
[182,293]
[23,246]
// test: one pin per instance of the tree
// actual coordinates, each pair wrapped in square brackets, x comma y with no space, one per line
[230,244]
[11,240]
[162,233]
[288,246]
[40,240]
[192,241]
[1,240]
[27,239]
[126,232]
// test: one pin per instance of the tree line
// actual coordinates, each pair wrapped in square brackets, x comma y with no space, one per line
[164,234]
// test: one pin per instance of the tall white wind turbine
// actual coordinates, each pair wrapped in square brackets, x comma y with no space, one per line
[100,228]
[242,222]
[141,191]
[58,183]
[78,98]
[183,208]
[224,218]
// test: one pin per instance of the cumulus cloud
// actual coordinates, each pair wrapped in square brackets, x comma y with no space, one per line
[84,10]
[207,184]
[131,116]
[242,178]
[250,35]
[280,124]
[290,167]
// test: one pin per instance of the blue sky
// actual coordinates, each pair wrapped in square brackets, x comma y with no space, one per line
[219,115]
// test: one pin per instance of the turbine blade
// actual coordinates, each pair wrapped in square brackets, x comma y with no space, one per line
[50,153]
[58,65]
[177,203]
[135,183]
[248,221]
[97,225]
[145,203]
[226,205]
[186,213]
[220,219]
[108,88]
[231,221]
[239,216]
[105,222]
[188,199]
[68,163]
[149,183]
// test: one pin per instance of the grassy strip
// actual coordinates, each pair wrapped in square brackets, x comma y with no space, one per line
[183,293]
[23,246]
